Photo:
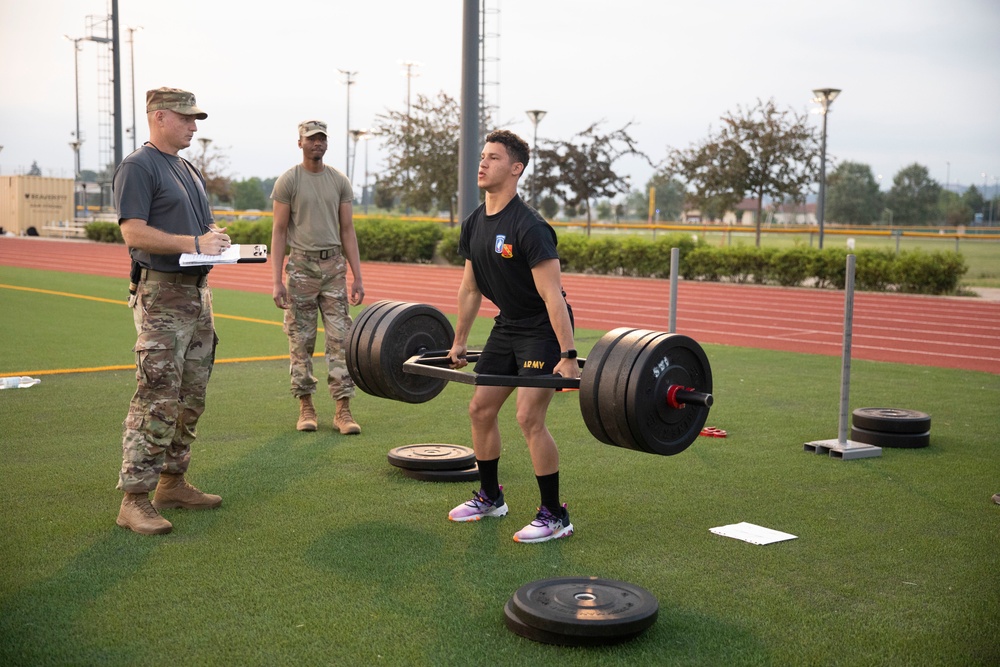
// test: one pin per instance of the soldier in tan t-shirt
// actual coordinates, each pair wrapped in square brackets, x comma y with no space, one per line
[313,216]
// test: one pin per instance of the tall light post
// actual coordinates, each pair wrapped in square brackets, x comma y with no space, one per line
[77,141]
[536,116]
[824,96]
[364,188]
[355,135]
[349,80]
[131,60]
[408,65]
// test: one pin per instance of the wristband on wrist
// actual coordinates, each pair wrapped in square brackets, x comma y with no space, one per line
[568,354]
[197,246]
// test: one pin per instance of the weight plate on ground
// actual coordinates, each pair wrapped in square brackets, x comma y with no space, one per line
[585,606]
[891,420]
[883,439]
[432,456]
[658,428]
[590,382]
[519,627]
[470,474]
[614,384]
[360,328]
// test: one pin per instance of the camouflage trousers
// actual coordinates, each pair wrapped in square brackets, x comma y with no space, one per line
[174,356]
[317,288]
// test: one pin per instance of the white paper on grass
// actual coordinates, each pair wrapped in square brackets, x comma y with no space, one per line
[753,534]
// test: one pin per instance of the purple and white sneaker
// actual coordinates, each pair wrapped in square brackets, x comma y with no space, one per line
[478,507]
[546,526]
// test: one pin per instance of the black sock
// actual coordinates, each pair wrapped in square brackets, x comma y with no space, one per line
[488,477]
[548,487]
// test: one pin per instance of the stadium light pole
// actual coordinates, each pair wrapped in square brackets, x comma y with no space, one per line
[349,80]
[355,135]
[825,97]
[131,60]
[536,116]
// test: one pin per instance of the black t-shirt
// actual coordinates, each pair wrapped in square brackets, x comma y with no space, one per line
[169,195]
[503,248]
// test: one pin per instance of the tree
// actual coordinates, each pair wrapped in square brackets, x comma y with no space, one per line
[974,200]
[953,209]
[249,194]
[914,196]
[549,206]
[582,169]
[422,167]
[213,165]
[669,196]
[35,169]
[852,195]
[758,152]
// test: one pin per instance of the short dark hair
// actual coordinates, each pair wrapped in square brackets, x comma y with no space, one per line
[517,148]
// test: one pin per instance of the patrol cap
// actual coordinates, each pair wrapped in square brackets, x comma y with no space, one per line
[307,128]
[173,99]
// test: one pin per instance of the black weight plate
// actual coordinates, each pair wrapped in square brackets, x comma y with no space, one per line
[891,420]
[585,606]
[354,349]
[362,345]
[519,627]
[614,383]
[658,428]
[590,382]
[408,330]
[432,456]
[371,344]
[883,439]
[470,474]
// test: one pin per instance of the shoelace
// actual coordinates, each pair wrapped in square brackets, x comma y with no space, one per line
[479,501]
[545,517]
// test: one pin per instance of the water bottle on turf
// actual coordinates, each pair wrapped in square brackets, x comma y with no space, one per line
[16,382]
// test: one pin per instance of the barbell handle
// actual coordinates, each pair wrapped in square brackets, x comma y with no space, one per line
[678,397]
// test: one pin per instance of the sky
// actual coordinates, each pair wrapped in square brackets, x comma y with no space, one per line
[920,79]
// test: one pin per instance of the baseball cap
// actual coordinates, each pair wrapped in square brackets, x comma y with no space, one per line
[173,99]
[307,128]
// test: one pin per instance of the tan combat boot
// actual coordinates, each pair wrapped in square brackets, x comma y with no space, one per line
[138,515]
[307,414]
[173,491]
[343,420]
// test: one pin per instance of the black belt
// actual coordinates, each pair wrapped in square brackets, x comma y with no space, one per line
[178,278]
[318,254]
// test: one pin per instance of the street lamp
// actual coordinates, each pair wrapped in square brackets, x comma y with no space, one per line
[131,59]
[349,80]
[536,116]
[355,135]
[824,96]
[409,74]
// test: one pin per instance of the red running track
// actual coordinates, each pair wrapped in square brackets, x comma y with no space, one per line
[949,332]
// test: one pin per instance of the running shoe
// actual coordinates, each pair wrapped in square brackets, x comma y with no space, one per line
[546,526]
[478,507]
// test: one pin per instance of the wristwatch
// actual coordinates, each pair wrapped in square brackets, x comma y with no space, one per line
[568,354]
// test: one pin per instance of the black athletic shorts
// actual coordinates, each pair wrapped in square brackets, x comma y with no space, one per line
[521,347]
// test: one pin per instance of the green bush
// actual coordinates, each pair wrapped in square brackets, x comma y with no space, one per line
[830,267]
[447,247]
[792,266]
[929,273]
[702,263]
[386,240]
[247,232]
[104,232]
[875,269]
